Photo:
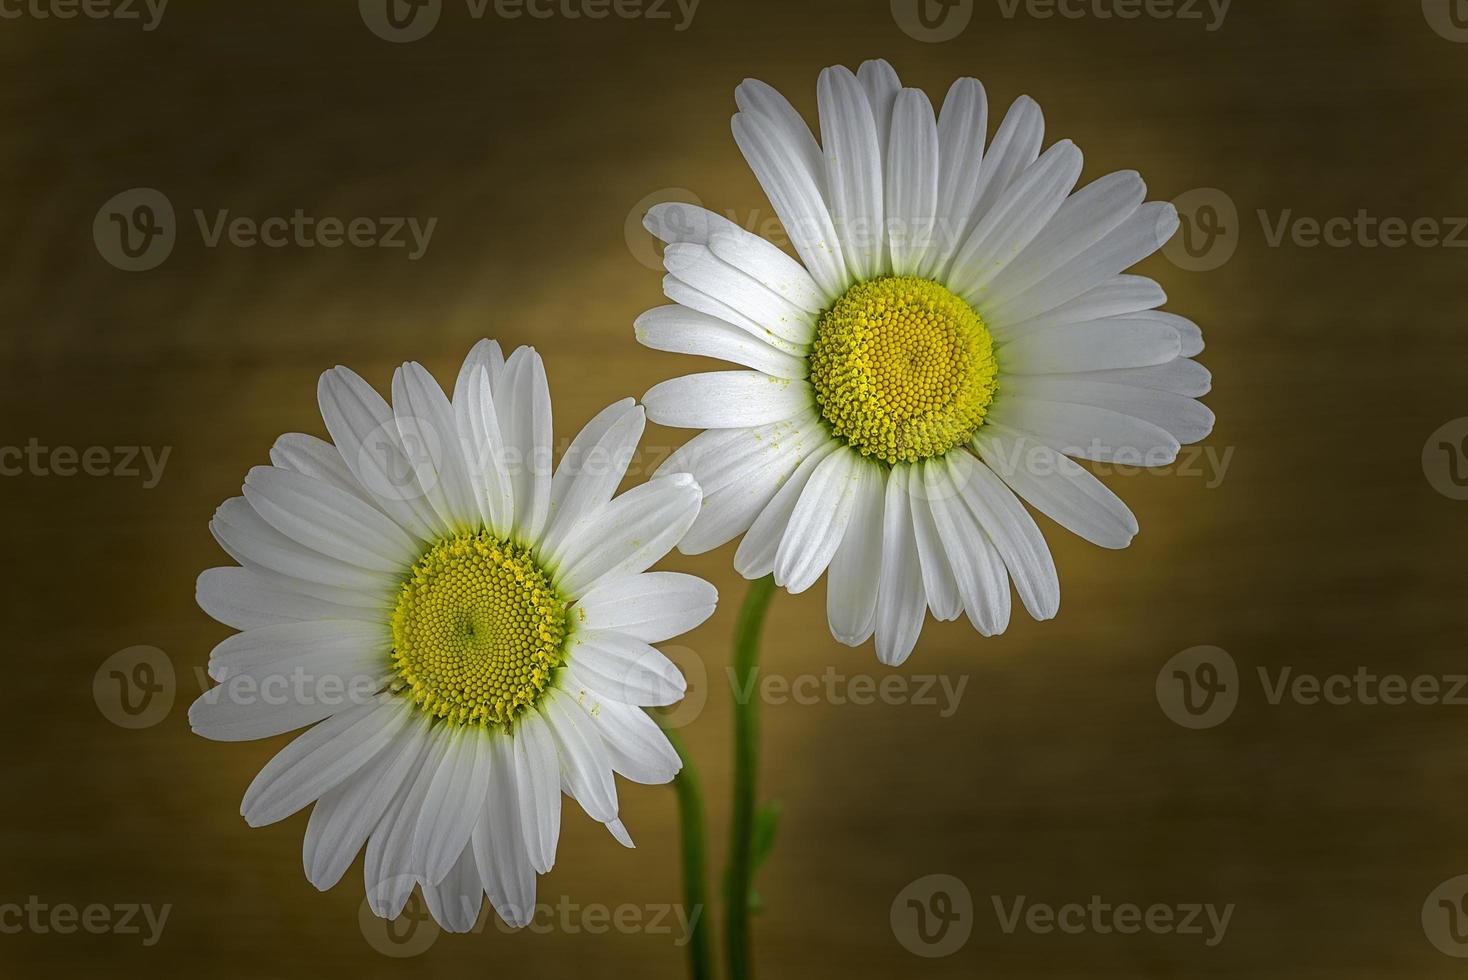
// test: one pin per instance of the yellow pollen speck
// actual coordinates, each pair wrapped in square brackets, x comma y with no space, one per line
[903,369]
[478,631]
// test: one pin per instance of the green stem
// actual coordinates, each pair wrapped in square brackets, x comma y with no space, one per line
[739,879]
[695,865]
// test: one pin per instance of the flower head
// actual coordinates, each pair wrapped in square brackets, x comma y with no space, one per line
[467,631]
[957,328]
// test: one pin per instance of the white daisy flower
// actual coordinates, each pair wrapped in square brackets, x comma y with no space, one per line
[959,325]
[468,634]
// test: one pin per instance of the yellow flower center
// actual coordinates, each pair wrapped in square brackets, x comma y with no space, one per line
[903,369]
[478,631]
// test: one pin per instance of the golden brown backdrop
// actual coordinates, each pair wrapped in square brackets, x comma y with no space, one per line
[1321,546]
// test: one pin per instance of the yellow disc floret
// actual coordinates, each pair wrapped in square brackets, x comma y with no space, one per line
[903,369]
[478,631]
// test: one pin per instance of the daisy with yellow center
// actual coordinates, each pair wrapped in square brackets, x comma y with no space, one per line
[959,329]
[467,632]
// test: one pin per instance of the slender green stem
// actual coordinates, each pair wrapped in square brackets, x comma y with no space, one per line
[739,879]
[695,866]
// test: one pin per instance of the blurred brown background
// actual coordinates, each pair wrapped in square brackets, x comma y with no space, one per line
[1321,547]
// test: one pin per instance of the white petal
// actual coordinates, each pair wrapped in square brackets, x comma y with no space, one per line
[1099,345]
[455,902]
[590,472]
[1014,533]
[880,83]
[452,806]
[499,846]
[321,759]
[795,192]
[1188,420]
[584,762]
[624,668]
[1190,337]
[1016,219]
[853,171]
[638,528]
[635,744]
[317,459]
[675,222]
[756,555]
[983,583]
[901,602]
[1144,232]
[963,126]
[747,477]
[912,182]
[245,599]
[344,648]
[366,433]
[522,402]
[328,520]
[754,96]
[345,816]
[1084,219]
[388,868]
[537,788]
[684,331]
[1115,297]
[726,400]
[651,607]
[851,590]
[1057,487]
[939,585]
[701,269]
[1181,377]
[253,542]
[819,521]
[426,417]
[485,356]
[1087,433]
[1016,145]
[485,450]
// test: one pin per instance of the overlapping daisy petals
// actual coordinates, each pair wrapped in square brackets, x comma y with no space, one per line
[1089,367]
[325,538]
